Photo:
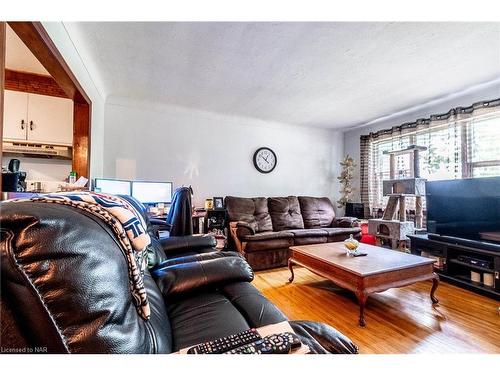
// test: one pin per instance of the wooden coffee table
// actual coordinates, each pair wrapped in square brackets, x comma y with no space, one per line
[380,270]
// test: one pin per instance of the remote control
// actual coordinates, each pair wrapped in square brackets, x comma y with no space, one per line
[360,254]
[227,343]
[281,343]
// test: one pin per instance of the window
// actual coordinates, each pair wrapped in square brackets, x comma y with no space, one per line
[484,147]
[457,149]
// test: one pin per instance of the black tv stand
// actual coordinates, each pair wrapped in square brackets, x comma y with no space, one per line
[465,242]
[456,271]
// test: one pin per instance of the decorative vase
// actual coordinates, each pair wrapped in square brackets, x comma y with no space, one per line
[351,245]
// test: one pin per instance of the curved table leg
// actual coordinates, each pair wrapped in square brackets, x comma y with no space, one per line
[362,297]
[435,284]
[290,267]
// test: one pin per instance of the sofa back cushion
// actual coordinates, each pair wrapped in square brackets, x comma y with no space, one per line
[316,212]
[285,213]
[251,210]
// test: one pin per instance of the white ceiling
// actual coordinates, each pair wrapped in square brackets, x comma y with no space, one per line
[19,57]
[330,75]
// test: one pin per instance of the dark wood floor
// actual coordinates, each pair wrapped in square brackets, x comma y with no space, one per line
[398,320]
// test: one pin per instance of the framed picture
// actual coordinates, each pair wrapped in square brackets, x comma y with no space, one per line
[218,203]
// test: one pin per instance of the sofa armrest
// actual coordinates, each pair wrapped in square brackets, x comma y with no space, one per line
[346,222]
[157,225]
[238,230]
[243,228]
[195,258]
[159,221]
[188,243]
[189,277]
[323,339]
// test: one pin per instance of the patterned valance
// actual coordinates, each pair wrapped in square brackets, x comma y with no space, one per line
[454,114]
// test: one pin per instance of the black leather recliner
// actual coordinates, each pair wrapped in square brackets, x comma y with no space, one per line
[65,287]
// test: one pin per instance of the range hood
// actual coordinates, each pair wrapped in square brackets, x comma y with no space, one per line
[37,150]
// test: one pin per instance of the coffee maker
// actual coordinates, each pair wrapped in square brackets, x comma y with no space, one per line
[13,179]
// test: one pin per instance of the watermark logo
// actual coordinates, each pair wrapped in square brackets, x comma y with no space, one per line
[24,350]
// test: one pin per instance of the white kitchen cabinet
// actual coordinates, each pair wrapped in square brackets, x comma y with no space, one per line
[15,115]
[38,118]
[50,119]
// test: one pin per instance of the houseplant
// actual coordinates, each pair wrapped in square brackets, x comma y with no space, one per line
[346,175]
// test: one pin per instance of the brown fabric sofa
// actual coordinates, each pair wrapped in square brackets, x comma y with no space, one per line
[263,229]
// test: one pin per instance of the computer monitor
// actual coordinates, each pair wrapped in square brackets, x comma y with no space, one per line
[109,186]
[152,192]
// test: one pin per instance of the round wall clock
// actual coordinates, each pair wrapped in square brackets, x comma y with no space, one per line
[264,160]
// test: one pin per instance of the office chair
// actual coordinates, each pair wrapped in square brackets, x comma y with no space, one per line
[178,221]
[179,218]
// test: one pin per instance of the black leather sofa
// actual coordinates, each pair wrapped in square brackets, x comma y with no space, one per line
[65,287]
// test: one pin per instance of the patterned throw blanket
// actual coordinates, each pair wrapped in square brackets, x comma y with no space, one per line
[128,226]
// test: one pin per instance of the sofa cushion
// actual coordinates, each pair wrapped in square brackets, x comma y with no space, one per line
[257,309]
[251,210]
[341,234]
[285,213]
[298,241]
[298,233]
[338,231]
[203,317]
[267,236]
[316,212]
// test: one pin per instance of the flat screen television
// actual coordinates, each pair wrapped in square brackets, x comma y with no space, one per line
[465,209]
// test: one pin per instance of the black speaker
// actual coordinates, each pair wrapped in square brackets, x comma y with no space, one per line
[355,210]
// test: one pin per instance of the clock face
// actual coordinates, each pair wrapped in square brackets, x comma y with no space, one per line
[264,160]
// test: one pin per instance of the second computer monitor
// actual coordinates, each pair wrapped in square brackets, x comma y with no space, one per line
[110,186]
[152,192]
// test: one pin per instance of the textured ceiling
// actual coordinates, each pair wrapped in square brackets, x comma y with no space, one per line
[330,75]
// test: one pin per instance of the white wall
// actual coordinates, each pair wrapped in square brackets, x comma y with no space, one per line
[464,98]
[213,152]
[51,172]
[64,44]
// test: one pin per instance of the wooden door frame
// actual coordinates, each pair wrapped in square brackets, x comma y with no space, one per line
[2,81]
[38,41]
